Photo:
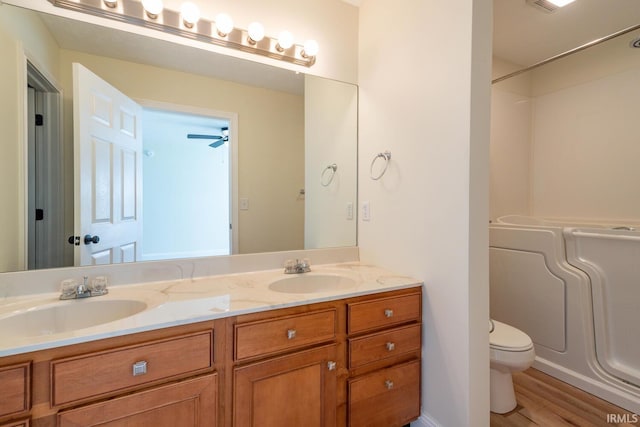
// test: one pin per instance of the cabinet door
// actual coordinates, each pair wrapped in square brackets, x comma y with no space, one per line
[293,390]
[188,403]
[22,423]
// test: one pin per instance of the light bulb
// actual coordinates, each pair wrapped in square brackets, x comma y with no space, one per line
[256,32]
[190,14]
[310,48]
[153,8]
[285,41]
[224,24]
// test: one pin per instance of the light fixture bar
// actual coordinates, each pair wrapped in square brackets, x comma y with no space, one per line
[169,21]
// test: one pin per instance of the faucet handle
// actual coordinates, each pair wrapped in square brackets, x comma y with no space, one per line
[68,288]
[99,285]
[304,266]
[289,266]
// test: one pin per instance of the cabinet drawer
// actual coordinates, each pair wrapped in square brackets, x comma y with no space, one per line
[383,312]
[393,392]
[383,345]
[112,371]
[14,392]
[284,333]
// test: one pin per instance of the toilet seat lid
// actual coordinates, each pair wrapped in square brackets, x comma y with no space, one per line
[508,338]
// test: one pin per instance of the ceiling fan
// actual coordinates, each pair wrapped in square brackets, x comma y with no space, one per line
[219,139]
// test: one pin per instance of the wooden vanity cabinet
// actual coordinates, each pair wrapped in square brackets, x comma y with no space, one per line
[351,362]
[285,368]
[166,377]
[384,360]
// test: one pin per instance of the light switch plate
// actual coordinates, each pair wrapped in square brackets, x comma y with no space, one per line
[366,211]
[244,204]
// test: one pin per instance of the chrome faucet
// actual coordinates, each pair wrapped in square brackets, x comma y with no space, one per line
[73,290]
[297,266]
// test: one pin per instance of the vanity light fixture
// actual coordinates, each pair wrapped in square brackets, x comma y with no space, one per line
[221,32]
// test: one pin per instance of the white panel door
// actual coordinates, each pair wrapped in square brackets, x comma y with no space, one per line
[108,172]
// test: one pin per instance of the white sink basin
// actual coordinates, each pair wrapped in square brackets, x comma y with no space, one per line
[309,282]
[67,316]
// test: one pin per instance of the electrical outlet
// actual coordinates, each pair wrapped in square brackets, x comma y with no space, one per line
[366,211]
[350,211]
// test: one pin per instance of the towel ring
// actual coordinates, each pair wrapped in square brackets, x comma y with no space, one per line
[386,156]
[323,181]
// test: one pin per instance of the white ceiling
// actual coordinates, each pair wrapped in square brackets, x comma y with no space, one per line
[526,35]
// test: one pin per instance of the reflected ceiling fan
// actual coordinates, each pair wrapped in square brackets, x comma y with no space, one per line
[219,139]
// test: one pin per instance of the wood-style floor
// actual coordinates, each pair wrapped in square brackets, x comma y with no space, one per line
[547,402]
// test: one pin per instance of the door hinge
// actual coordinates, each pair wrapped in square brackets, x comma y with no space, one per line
[230,227]
[39,120]
[39,214]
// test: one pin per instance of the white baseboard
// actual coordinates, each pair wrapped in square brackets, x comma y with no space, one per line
[425,420]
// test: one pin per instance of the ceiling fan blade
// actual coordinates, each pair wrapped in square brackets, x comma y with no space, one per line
[217,143]
[197,136]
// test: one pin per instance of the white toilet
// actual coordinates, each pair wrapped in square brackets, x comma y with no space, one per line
[511,350]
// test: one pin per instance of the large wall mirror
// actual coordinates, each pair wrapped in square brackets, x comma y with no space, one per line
[236,157]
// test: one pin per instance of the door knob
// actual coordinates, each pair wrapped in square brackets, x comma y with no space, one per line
[88,239]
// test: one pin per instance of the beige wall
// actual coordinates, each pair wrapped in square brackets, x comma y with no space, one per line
[427,101]
[21,36]
[270,140]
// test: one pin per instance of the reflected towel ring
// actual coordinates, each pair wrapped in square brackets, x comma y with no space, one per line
[333,168]
[386,156]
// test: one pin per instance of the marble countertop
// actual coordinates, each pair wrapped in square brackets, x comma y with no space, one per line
[179,302]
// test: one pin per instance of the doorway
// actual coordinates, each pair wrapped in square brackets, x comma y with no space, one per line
[187,194]
[46,243]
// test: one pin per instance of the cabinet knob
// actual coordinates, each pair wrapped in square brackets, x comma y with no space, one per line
[390,346]
[331,365]
[388,313]
[291,334]
[388,384]
[139,368]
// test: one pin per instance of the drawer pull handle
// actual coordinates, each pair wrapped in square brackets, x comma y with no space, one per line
[390,346]
[139,368]
[331,365]
[388,384]
[388,313]
[291,334]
